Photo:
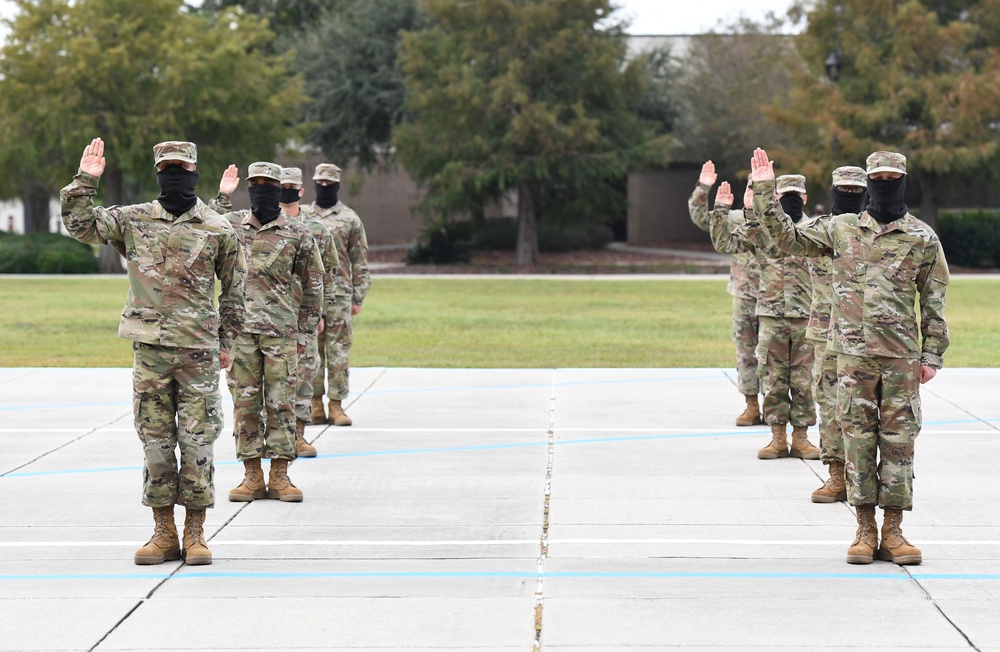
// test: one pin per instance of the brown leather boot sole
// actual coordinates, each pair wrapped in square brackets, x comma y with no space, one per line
[860,559]
[901,560]
[240,497]
[819,497]
[745,420]
[771,454]
[201,559]
[147,560]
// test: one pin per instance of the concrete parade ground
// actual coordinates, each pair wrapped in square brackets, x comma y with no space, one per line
[496,509]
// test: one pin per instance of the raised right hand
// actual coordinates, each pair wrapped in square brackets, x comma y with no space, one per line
[724,195]
[92,162]
[230,180]
[708,175]
[761,168]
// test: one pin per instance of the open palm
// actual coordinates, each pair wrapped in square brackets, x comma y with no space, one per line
[92,162]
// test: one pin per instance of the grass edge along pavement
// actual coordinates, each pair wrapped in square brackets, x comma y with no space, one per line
[482,322]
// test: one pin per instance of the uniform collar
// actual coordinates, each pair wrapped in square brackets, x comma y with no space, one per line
[870,223]
[280,223]
[192,215]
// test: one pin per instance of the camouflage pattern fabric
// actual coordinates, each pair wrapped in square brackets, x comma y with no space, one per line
[878,273]
[309,366]
[335,351]
[176,402]
[172,264]
[284,282]
[785,359]
[821,276]
[878,408]
[746,326]
[263,380]
[744,270]
[785,289]
[351,277]
[831,439]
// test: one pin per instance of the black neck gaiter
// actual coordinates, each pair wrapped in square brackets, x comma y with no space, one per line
[177,189]
[885,199]
[792,203]
[289,195]
[326,196]
[264,202]
[847,202]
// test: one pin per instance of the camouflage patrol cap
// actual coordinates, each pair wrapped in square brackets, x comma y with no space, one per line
[849,175]
[886,162]
[264,169]
[292,176]
[326,172]
[790,183]
[175,150]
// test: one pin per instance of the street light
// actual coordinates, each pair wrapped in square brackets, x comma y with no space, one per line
[833,66]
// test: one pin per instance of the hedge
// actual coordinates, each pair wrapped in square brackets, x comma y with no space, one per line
[45,253]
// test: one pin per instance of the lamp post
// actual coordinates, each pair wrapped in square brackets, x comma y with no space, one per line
[833,66]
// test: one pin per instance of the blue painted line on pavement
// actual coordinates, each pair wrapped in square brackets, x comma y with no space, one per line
[514,574]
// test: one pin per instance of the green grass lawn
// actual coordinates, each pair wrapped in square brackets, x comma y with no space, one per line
[473,323]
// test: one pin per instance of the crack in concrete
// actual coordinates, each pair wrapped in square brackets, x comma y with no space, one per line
[543,552]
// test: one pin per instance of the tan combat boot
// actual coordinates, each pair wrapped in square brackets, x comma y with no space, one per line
[862,551]
[302,447]
[895,547]
[751,415]
[318,415]
[835,488]
[801,446]
[279,486]
[252,487]
[778,446]
[164,545]
[337,415]
[196,552]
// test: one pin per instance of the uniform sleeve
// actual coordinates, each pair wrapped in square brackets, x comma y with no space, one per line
[808,239]
[932,282]
[221,203]
[757,235]
[698,206]
[724,239]
[331,263]
[89,223]
[309,268]
[357,249]
[230,267]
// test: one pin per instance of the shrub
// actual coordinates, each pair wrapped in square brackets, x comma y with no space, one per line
[441,242]
[501,234]
[971,238]
[498,234]
[45,253]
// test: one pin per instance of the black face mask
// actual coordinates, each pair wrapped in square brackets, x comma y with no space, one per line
[792,203]
[326,196]
[885,199]
[177,189]
[264,202]
[847,202]
[289,195]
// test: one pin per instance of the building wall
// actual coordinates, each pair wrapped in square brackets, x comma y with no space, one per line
[657,206]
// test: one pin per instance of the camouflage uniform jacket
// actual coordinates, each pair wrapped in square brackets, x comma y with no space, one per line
[744,271]
[878,271]
[784,289]
[172,265]
[284,280]
[821,275]
[327,253]
[351,278]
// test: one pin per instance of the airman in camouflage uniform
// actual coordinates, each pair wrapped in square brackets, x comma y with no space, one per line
[175,247]
[744,282]
[309,362]
[883,259]
[784,357]
[848,197]
[284,295]
[351,283]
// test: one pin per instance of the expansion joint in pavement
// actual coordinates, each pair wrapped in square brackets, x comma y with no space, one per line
[937,606]
[543,551]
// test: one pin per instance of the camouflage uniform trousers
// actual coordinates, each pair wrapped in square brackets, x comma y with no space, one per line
[878,408]
[176,403]
[745,328]
[309,366]
[831,439]
[336,349]
[263,383]
[785,359]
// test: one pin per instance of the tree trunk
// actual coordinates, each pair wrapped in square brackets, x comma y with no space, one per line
[527,227]
[36,206]
[928,200]
[111,261]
